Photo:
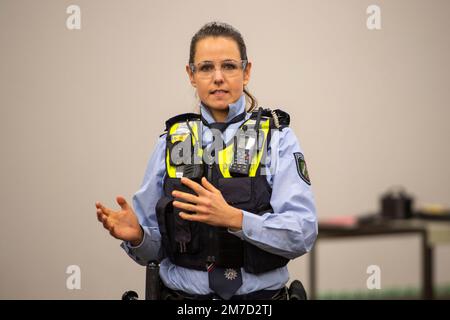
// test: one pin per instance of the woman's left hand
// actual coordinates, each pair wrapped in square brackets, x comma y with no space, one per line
[209,205]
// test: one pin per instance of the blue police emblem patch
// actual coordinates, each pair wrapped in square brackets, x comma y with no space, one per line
[301,167]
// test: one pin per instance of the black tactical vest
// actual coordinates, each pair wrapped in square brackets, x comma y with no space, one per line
[194,245]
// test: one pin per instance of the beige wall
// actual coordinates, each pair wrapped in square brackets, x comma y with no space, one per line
[81,111]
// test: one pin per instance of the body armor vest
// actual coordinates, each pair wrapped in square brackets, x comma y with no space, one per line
[234,169]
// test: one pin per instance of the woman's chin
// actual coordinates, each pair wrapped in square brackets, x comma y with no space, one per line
[218,105]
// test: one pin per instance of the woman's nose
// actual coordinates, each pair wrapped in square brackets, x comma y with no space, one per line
[218,75]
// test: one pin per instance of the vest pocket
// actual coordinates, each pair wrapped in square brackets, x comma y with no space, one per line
[236,190]
[179,236]
[182,236]
[163,209]
[187,235]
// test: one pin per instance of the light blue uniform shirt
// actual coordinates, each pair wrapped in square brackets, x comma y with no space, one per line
[290,231]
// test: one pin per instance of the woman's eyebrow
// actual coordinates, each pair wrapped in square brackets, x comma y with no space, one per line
[225,60]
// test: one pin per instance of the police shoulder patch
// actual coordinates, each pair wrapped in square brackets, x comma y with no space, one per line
[301,167]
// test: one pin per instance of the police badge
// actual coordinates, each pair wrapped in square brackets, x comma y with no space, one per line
[230,274]
[301,167]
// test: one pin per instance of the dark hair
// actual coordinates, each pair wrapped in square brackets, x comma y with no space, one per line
[220,29]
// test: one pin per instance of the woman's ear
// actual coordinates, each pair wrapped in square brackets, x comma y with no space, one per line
[191,76]
[247,73]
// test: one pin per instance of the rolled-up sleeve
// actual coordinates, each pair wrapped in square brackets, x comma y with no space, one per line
[291,230]
[144,203]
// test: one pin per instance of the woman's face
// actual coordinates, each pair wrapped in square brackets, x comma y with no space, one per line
[216,85]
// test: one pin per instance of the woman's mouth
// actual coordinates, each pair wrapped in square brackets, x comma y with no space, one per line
[219,93]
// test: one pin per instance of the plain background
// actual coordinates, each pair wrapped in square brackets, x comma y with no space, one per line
[81,111]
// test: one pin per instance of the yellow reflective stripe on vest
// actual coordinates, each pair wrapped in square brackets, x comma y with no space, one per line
[225,157]
[255,164]
[195,129]
[174,137]
[171,170]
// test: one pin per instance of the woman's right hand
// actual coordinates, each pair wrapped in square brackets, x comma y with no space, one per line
[122,224]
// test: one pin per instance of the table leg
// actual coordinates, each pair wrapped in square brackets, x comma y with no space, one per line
[427,269]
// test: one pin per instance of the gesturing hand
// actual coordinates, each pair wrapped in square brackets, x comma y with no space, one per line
[122,224]
[209,205]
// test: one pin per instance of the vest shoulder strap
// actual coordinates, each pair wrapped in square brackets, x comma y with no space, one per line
[279,119]
[180,118]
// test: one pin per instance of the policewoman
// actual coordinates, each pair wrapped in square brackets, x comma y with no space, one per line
[226,199]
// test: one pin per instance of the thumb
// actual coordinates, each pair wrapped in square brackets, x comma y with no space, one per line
[122,203]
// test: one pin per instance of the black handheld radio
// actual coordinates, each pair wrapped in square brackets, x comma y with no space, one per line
[244,150]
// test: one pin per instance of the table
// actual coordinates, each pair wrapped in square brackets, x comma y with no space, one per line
[432,233]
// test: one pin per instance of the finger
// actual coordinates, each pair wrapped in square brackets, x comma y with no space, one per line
[108,224]
[198,189]
[122,203]
[100,215]
[187,206]
[99,206]
[187,197]
[192,217]
[208,185]
[104,222]
[106,211]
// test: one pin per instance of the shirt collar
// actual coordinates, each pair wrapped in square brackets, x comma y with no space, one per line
[234,109]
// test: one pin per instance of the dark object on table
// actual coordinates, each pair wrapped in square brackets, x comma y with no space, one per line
[130,295]
[396,204]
